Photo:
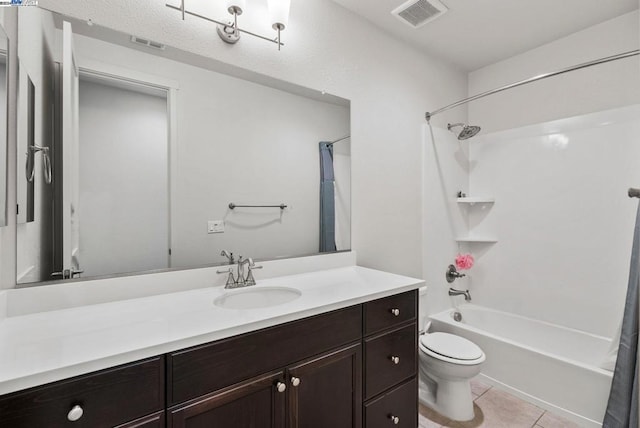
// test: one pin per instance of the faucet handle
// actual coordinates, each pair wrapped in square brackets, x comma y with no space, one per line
[250,280]
[231,281]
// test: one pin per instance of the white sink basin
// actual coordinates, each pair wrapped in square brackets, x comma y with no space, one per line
[252,298]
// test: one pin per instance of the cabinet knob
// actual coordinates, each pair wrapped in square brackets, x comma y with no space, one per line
[395,312]
[395,419]
[395,360]
[295,381]
[75,413]
[281,387]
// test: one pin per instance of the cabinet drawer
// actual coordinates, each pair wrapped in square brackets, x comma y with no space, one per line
[382,370]
[204,369]
[393,310]
[401,402]
[107,398]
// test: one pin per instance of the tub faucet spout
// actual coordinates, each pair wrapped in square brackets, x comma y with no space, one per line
[465,293]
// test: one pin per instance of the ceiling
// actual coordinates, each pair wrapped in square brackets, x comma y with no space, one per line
[476,33]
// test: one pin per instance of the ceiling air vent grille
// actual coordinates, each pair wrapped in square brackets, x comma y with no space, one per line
[148,43]
[417,13]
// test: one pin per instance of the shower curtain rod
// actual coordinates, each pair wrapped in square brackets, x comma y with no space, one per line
[623,55]
[634,193]
[340,139]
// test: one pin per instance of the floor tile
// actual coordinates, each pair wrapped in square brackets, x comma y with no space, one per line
[428,418]
[497,409]
[478,388]
[549,420]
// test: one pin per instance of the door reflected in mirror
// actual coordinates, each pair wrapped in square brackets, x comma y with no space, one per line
[4,65]
[152,148]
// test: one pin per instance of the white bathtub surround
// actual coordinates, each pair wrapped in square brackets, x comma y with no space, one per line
[445,173]
[38,348]
[555,367]
[563,217]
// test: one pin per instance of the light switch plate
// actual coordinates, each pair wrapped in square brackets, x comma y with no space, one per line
[215,226]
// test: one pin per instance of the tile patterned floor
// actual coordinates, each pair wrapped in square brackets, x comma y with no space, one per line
[496,409]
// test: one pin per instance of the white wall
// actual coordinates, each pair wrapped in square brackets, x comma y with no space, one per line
[124,225]
[597,88]
[9,19]
[342,176]
[328,48]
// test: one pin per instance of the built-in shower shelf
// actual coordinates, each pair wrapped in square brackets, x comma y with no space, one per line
[477,239]
[476,200]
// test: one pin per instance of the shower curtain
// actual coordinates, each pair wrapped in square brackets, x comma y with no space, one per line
[327,199]
[622,409]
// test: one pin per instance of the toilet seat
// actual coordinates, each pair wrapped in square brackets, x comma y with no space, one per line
[451,348]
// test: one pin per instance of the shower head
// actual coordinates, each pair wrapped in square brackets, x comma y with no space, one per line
[467,131]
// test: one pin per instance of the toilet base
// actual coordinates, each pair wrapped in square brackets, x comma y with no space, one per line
[451,398]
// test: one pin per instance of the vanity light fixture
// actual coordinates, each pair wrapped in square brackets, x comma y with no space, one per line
[229,31]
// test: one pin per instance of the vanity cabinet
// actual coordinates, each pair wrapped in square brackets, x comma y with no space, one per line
[346,368]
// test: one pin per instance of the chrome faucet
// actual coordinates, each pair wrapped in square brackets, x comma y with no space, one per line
[240,280]
[228,255]
[465,293]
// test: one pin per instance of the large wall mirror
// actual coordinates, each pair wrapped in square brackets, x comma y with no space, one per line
[145,157]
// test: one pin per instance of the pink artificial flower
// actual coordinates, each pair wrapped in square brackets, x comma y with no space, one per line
[464,261]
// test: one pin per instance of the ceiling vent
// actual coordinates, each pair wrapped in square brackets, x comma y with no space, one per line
[147,43]
[417,13]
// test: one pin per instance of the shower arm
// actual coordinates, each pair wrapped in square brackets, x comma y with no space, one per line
[623,55]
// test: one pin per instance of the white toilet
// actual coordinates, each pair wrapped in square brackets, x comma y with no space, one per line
[447,365]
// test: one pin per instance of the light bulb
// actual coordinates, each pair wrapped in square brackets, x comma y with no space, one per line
[279,13]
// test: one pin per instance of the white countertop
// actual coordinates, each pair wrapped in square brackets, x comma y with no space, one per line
[48,346]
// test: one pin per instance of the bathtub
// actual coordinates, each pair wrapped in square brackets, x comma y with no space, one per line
[554,367]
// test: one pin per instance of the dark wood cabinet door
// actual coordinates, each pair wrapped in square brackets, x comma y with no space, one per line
[327,391]
[256,403]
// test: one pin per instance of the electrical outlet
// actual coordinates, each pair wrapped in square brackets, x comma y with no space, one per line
[215,226]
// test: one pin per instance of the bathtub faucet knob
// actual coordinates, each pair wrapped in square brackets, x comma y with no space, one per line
[452,274]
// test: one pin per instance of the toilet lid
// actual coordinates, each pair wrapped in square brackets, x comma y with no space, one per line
[451,346]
